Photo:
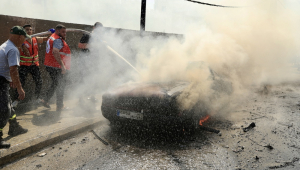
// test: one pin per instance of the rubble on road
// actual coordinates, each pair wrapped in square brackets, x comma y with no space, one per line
[251,126]
[42,154]
[269,147]
[285,164]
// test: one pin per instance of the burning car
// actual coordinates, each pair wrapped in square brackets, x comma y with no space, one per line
[157,103]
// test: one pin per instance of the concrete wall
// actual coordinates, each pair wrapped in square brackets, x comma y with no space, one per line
[72,39]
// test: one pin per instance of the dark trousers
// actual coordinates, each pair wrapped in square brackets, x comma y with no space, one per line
[36,76]
[6,111]
[58,84]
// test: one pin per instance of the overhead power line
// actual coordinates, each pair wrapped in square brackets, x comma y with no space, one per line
[203,3]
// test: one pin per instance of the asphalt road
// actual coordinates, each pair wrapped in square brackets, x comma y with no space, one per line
[272,144]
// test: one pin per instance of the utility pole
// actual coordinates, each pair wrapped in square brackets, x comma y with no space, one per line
[143,16]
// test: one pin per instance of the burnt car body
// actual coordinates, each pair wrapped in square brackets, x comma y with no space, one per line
[155,103]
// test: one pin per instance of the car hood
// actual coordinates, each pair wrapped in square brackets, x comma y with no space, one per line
[148,89]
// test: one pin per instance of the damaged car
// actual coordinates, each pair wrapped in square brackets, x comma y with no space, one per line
[156,103]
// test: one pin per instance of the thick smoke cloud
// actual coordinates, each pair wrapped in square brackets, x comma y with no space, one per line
[249,46]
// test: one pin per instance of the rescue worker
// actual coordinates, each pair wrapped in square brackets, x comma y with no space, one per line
[86,62]
[29,63]
[9,76]
[57,62]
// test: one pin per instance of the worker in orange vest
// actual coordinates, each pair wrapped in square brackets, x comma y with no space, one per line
[29,63]
[57,62]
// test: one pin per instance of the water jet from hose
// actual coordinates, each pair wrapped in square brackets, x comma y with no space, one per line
[86,32]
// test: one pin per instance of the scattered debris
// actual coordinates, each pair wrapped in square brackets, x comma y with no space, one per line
[269,147]
[225,146]
[39,166]
[239,149]
[251,126]
[84,140]
[257,118]
[72,143]
[294,146]
[211,130]
[285,164]
[42,154]
[256,144]
[284,124]
[103,141]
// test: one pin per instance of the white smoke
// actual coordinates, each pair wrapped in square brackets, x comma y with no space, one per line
[252,45]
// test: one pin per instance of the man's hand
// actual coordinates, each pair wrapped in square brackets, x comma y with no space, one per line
[25,51]
[63,70]
[21,93]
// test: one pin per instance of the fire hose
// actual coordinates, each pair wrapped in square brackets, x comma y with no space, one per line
[86,32]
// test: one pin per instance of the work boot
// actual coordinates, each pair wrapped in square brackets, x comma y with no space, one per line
[15,129]
[3,144]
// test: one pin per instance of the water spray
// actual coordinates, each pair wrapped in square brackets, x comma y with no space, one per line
[86,32]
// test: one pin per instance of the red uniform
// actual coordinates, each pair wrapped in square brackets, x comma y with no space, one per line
[64,52]
[33,51]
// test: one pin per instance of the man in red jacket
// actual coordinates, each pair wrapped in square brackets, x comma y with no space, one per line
[57,62]
[29,63]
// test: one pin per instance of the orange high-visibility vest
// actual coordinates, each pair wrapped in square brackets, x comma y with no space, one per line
[65,53]
[33,51]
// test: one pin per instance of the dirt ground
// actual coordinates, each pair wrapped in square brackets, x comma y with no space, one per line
[272,144]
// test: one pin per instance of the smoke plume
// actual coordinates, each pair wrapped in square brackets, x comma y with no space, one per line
[249,46]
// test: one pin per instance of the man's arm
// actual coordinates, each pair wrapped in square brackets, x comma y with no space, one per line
[58,59]
[13,57]
[57,45]
[16,81]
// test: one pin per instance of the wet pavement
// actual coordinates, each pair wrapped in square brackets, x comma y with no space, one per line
[272,144]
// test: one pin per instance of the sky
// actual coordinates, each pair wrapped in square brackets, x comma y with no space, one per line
[171,16]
